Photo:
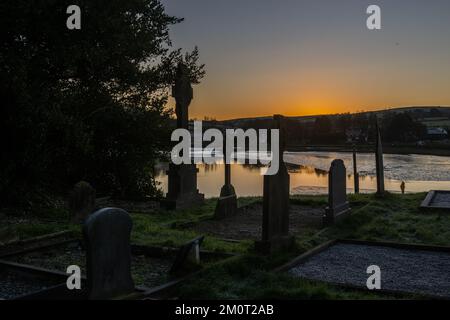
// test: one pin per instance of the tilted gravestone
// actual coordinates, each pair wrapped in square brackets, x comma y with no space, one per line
[275,227]
[379,162]
[227,204]
[338,206]
[188,256]
[107,236]
[182,179]
[81,201]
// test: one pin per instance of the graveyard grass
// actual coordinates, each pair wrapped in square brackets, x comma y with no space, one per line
[394,218]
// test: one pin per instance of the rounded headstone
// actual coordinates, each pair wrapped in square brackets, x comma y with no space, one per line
[107,235]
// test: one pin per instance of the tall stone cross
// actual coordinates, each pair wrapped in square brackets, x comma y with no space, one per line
[355,171]
[379,161]
[227,165]
[275,224]
[183,94]
[182,179]
[280,124]
[227,203]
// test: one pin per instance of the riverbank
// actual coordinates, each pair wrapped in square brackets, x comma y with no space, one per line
[309,174]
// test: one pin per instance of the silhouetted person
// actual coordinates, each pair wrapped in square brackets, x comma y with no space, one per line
[402,187]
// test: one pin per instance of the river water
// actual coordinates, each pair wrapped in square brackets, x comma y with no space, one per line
[309,173]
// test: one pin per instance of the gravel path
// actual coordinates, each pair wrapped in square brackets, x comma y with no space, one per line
[247,223]
[414,271]
[13,285]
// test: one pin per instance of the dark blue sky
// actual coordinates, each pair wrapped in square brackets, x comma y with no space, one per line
[314,56]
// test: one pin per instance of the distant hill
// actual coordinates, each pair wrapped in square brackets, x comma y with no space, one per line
[413,126]
[417,112]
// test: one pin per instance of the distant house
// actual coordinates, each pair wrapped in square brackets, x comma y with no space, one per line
[437,134]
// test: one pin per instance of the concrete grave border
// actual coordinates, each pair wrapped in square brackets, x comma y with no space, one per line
[38,272]
[35,242]
[60,291]
[398,245]
[427,202]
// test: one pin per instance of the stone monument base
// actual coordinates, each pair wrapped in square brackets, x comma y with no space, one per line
[182,191]
[226,206]
[183,202]
[276,244]
[227,203]
[333,215]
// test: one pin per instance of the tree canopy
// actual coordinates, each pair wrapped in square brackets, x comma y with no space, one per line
[85,104]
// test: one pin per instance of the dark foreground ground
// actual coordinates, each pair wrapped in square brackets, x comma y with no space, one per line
[395,218]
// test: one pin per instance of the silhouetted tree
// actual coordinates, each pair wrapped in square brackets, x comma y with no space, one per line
[85,104]
[400,127]
[435,113]
[322,131]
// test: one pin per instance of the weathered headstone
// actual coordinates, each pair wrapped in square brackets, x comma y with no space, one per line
[338,206]
[182,179]
[379,162]
[227,203]
[275,227]
[355,172]
[108,258]
[81,201]
[188,256]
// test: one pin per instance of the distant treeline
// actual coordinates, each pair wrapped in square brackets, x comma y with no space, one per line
[397,126]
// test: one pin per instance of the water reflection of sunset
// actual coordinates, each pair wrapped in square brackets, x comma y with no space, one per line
[248,181]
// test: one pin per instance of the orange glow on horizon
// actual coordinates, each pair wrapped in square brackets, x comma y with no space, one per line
[305,108]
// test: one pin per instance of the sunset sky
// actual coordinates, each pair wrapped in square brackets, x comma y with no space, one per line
[303,57]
